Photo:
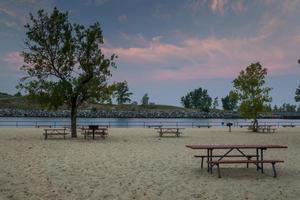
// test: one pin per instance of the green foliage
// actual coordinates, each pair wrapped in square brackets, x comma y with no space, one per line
[286,107]
[122,93]
[215,103]
[249,87]
[64,62]
[145,99]
[197,99]
[4,95]
[297,94]
[230,101]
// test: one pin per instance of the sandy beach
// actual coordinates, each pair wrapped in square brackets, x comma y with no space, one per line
[135,163]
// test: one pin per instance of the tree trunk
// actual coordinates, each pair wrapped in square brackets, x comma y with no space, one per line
[73,119]
[255,125]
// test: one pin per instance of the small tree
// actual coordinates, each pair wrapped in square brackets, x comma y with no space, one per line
[297,94]
[122,93]
[249,86]
[145,100]
[197,99]
[64,63]
[215,103]
[230,101]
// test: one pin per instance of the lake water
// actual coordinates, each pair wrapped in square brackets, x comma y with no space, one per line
[134,122]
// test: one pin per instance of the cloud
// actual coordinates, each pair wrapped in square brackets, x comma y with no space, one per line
[13,60]
[123,18]
[218,6]
[17,11]
[209,57]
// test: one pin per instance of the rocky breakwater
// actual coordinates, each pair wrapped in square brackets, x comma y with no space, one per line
[109,114]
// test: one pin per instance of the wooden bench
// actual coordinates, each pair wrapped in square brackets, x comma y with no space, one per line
[219,156]
[200,126]
[256,162]
[55,131]
[175,131]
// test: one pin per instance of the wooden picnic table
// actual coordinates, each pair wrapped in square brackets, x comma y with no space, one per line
[267,128]
[55,131]
[259,155]
[154,126]
[94,130]
[175,131]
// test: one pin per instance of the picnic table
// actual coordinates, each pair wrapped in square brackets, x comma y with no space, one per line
[288,125]
[259,160]
[154,126]
[95,130]
[175,131]
[267,128]
[203,125]
[55,131]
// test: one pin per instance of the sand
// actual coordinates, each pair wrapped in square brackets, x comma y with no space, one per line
[137,164]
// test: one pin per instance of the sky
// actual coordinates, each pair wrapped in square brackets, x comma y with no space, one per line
[167,48]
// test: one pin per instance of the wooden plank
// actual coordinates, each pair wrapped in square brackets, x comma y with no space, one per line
[243,161]
[243,146]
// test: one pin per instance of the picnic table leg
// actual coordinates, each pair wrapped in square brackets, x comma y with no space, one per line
[211,165]
[274,170]
[257,155]
[46,135]
[261,158]
[64,134]
[207,159]
[219,173]
[93,134]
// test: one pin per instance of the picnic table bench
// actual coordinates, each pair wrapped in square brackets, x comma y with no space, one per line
[55,131]
[175,131]
[94,130]
[259,160]
[256,162]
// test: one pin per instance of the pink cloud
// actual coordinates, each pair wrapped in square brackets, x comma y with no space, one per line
[123,18]
[218,6]
[209,57]
[14,60]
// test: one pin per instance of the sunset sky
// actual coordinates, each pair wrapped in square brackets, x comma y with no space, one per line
[167,48]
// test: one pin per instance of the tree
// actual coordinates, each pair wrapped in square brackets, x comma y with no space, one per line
[64,63]
[122,93]
[249,86]
[197,99]
[229,102]
[215,103]
[297,94]
[145,99]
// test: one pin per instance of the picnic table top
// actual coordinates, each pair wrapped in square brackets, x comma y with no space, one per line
[99,128]
[228,146]
[161,128]
[57,129]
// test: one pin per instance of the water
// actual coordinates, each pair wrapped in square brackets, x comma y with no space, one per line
[134,122]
